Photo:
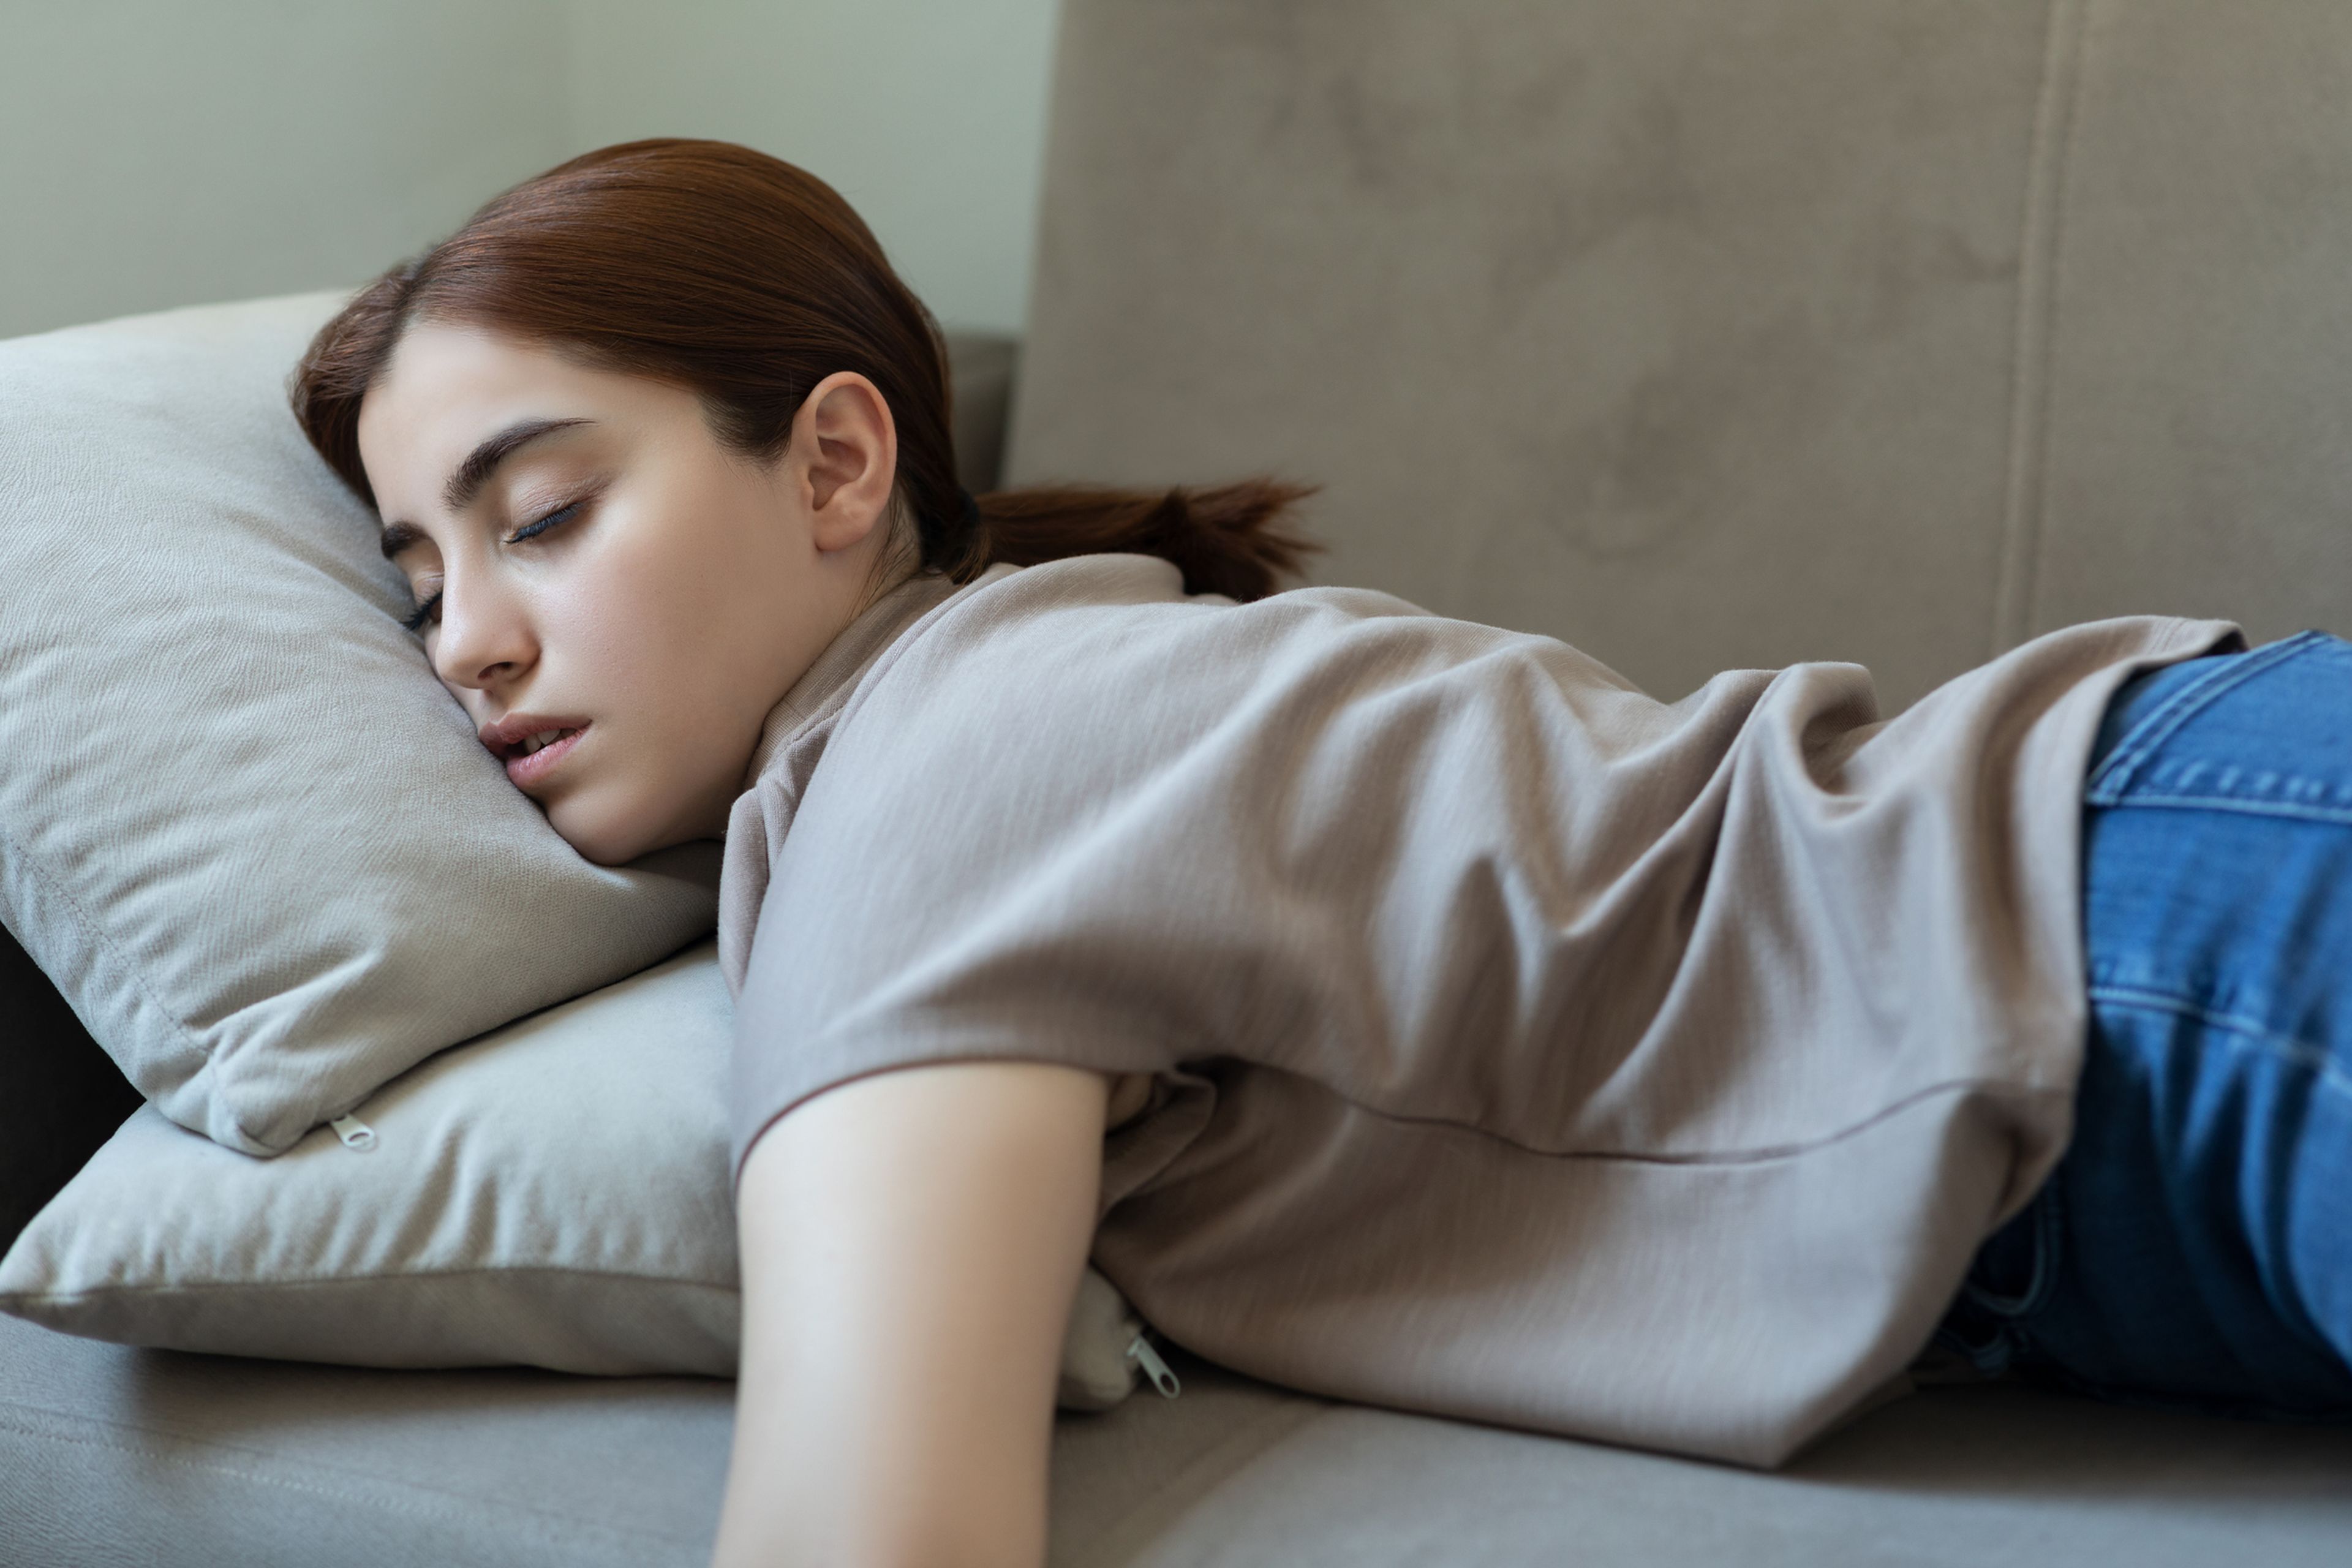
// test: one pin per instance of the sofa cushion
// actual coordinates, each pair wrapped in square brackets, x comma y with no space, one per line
[1712,336]
[242,827]
[554,1194]
[116,1458]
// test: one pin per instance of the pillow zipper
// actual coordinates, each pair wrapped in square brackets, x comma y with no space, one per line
[1162,1376]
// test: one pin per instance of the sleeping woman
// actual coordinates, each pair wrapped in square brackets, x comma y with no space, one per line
[1395,1007]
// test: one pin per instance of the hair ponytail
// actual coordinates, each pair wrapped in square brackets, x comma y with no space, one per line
[748,281]
[1227,539]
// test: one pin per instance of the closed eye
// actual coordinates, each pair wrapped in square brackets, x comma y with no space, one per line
[430,610]
[555,519]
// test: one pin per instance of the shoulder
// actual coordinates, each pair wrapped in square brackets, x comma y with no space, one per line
[1111,595]
[1082,708]
[1099,640]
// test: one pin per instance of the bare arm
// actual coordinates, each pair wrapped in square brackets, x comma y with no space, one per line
[910,1244]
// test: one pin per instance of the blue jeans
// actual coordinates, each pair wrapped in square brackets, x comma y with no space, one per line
[2194,1248]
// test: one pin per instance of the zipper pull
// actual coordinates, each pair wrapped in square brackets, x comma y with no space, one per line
[355,1134]
[1162,1376]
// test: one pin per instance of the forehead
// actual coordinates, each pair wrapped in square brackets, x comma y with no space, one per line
[448,388]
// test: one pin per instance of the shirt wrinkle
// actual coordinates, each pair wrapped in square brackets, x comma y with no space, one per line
[1790,996]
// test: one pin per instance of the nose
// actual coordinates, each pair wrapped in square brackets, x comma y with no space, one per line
[486,639]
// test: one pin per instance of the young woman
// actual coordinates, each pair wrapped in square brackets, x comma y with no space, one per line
[1395,1007]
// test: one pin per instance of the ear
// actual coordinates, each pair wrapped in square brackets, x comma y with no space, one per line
[843,451]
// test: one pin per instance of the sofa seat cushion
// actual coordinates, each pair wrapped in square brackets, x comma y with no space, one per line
[115,1457]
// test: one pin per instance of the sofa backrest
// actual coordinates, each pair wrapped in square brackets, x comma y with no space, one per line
[1705,335]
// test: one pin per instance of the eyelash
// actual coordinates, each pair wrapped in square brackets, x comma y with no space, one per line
[430,610]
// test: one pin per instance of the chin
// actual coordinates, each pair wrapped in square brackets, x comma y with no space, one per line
[614,817]
[602,834]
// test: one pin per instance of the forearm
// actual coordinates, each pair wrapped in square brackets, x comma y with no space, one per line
[911,1245]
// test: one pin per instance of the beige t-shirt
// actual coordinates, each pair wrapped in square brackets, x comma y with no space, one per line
[1523,1047]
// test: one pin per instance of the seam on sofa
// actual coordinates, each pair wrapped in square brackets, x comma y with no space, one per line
[2049,152]
[1132,1533]
[433,1503]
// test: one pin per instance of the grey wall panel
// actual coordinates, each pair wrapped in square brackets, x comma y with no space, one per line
[2200,450]
[1685,332]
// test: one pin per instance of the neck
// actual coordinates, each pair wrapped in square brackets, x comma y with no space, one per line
[899,559]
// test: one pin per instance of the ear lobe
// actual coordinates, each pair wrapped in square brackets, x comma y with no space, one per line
[850,445]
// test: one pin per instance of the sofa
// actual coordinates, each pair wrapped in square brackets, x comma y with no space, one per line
[1700,335]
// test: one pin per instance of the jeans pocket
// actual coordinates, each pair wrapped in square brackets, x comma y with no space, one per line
[2012,1278]
[2182,746]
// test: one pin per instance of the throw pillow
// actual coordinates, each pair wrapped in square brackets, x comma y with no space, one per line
[554,1194]
[256,845]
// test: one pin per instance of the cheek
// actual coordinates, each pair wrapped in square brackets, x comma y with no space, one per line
[630,603]
[665,621]
[687,568]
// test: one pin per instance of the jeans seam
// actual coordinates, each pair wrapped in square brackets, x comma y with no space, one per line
[2333,816]
[2296,1052]
[2117,768]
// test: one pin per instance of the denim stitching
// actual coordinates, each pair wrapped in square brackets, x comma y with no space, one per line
[2136,743]
[2244,806]
[2315,1059]
[2115,773]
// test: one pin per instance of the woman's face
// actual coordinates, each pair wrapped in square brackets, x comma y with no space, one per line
[616,599]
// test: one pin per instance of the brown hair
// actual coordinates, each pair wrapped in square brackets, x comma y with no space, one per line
[748,282]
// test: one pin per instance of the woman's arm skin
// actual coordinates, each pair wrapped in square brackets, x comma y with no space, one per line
[911,1242]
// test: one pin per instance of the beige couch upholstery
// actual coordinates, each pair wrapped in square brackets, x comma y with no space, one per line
[117,1458]
[1701,333]
[1706,335]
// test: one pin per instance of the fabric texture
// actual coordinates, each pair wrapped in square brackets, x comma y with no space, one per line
[554,1194]
[1527,1048]
[118,1458]
[251,838]
[1751,333]
[791,741]
[2190,1250]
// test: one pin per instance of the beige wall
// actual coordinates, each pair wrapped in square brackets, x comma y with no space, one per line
[159,152]
[928,115]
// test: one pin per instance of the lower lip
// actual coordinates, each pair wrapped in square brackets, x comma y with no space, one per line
[528,771]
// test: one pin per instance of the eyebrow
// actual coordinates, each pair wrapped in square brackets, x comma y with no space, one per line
[466,481]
